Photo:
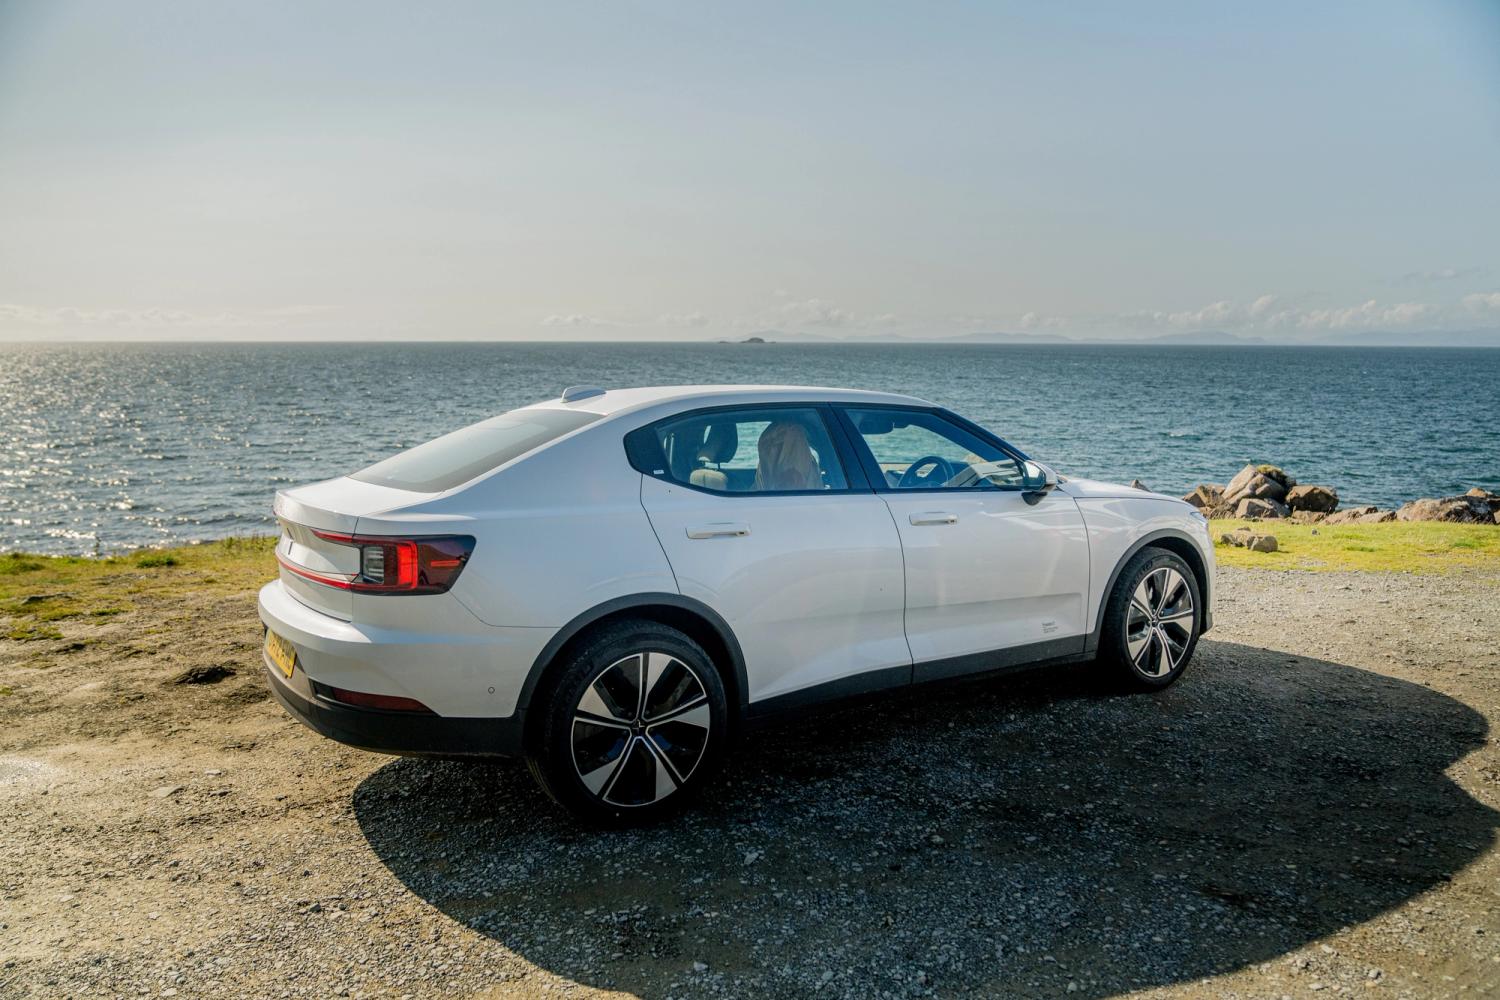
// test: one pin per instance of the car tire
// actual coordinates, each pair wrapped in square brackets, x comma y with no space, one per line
[634,721]
[1152,620]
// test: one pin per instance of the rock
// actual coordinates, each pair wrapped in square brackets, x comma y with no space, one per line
[1349,515]
[1258,487]
[1308,516]
[1260,543]
[1276,473]
[1136,484]
[1464,509]
[1241,479]
[1256,508]
[1206,497]
[1378,517]
[210,674]
[165,791]
[1321,499]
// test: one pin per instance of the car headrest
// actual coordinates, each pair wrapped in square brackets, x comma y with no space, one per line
[720,444]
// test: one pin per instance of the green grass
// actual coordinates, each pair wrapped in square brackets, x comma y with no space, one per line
[41,596]
[1393,547]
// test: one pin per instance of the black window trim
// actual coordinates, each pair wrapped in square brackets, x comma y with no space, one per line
[872,471]
[643,450]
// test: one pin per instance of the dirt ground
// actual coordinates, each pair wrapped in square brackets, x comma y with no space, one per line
[1311,811]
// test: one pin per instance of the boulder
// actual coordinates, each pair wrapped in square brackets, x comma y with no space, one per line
[1257,507]
[1464,509]
[1258,486]
[1236,488]
[1206,497]
[1378,517]
[1349,515]
[1136,484]
[1322,499]
[1244,538]
[1308,516]
[1276,473]
[1260,543]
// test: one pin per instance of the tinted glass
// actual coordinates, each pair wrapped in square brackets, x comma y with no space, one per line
[919,450]
[456,458]
[754,450]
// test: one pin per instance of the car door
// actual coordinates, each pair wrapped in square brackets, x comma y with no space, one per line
[988,567]
[762,521]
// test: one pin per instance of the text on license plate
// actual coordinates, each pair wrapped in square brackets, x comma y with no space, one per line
[281,653]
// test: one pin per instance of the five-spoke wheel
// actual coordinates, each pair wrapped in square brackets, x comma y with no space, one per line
[633,719]
[1152,620]
[640,729]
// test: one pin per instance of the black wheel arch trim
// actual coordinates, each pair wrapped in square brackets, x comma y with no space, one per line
[1146,540]
[617,607]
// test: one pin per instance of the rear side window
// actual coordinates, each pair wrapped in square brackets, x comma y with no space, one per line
[751,450]
[456,458]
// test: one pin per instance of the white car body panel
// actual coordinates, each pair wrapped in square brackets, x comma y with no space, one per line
[1002,572]
[821,590]
[1116,523]
[812,588]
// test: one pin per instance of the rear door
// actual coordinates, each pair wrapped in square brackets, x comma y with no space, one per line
[988,568]
[762,520]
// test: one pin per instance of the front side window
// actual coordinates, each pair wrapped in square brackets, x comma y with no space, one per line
[916,449]
[753,450]
[454,459]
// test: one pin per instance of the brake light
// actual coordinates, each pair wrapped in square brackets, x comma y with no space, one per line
[384,702]
[395,565]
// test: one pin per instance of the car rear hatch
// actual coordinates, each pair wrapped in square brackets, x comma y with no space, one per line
[332,508]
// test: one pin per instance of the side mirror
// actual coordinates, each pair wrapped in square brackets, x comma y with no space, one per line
[1036,477]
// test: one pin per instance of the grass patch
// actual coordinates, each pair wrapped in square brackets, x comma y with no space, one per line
[69,588]
[1393,547]
[17,562]
[30,632]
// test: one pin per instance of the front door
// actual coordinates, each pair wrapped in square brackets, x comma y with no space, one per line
[761,522]
[988,568]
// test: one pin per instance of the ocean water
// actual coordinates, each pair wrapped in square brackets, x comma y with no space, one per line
[106,447]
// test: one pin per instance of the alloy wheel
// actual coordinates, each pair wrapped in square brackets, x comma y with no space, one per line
[1159,622]
[640,729]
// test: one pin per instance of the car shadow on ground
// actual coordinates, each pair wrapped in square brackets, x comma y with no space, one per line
[1025,834]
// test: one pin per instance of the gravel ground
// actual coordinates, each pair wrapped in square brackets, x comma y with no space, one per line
[1310,811]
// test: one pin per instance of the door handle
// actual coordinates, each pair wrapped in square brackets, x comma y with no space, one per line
[724,529]
[934,517]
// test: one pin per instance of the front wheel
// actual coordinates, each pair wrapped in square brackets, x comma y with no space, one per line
[1152,620]
[635,720]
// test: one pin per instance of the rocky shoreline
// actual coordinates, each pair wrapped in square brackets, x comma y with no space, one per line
[1267,492]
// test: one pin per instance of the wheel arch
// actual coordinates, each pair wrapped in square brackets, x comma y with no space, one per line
[1177,542]
[697,620]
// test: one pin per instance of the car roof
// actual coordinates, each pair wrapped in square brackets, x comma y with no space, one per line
[613,402]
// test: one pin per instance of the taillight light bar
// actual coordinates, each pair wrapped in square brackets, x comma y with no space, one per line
[387,565]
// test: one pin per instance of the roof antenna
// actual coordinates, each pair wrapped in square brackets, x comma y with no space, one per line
[573,393]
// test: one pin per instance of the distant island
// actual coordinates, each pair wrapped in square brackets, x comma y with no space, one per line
[1194,338]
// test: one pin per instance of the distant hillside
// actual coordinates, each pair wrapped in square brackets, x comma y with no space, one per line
[1194,338]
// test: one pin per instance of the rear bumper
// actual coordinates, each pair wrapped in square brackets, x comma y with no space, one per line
[406,734]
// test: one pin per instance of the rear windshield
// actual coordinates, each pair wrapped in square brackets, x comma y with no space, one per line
[456,458]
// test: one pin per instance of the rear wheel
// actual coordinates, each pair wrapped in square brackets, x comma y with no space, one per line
[1152,620]
[635,721]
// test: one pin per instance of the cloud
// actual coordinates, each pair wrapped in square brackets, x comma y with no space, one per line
[1439,274]
[1482,302]
[577,319]
[1268,313]
[13,315]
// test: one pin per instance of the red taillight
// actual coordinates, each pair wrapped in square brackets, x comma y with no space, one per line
[384,702]
[395,565]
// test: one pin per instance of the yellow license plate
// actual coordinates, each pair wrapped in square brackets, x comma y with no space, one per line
[281,653]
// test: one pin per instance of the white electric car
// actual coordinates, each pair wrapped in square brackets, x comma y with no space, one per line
[610,583]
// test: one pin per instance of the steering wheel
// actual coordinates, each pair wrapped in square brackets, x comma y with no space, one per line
[942,470]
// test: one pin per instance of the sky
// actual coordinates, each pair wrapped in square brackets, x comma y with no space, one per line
[699,171]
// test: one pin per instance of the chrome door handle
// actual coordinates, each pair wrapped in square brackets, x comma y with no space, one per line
[934,517]
[721,530]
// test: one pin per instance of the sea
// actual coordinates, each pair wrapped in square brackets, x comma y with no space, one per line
[106,447]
